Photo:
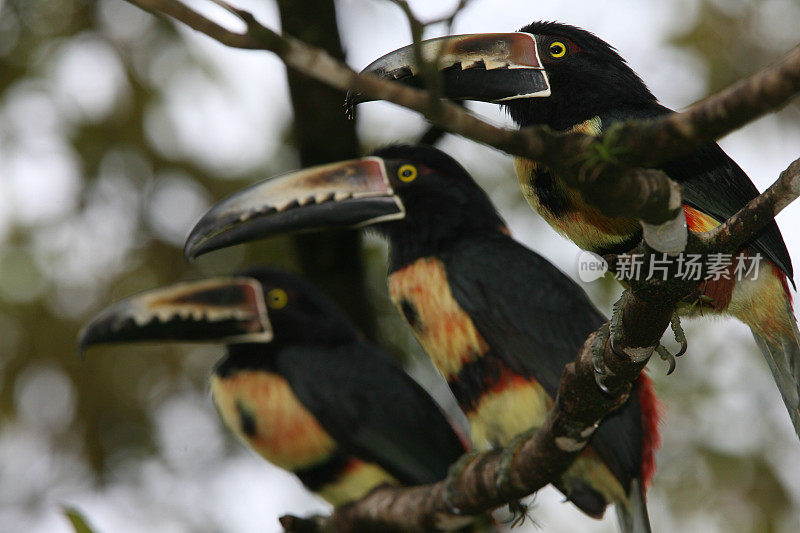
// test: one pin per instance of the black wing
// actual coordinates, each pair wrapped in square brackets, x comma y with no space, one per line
[536,320]
[713,183]
[373,409]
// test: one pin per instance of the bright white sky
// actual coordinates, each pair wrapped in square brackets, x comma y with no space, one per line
[233,125]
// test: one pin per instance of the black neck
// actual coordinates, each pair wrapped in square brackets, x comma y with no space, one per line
[405,247]
[563,118]
[248,357]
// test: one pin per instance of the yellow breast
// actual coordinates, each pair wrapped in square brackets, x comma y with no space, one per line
[508,409]
[262,411]
[422,294]
[358,478]
[582,224]
[515,405]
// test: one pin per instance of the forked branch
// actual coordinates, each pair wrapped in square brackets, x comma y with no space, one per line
[622,185]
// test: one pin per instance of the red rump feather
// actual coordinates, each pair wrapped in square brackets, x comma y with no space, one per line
[651,408]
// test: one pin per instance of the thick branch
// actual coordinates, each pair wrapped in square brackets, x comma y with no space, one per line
[646,194]
[757,214]
[569,153]
[664,138]
[578,409]
[604,169]
[643,143]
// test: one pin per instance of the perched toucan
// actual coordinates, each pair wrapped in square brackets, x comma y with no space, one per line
[498,320]
[298,383]
[567,78]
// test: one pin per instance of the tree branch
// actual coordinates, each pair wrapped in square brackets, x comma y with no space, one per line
[642,143]
[616,184]
[577,411]
[195,20]
[664,138]
[646,310]
[757,214]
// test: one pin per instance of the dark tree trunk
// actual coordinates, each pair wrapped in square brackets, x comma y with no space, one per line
[322,134]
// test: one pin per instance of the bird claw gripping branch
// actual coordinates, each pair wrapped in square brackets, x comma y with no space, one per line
[613,331]
[667,357]
[680,337]
[608,332]
[453,474]
[519,511]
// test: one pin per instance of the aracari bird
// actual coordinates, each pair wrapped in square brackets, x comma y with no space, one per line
[498,321]
[568,79]
[298,384]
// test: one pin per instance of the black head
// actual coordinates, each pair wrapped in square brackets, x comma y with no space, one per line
[299,312]
[587,77]
[442,201]
[259,307]
[416,195]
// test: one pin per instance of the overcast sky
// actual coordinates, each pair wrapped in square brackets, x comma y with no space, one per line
[235,125]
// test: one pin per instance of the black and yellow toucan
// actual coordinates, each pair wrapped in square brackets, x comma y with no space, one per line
[298,383]
[498,320]
[567,78]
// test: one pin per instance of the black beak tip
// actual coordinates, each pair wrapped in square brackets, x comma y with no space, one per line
[402,74]
[194,248]
[98,330]
[188,251]
[196,242]
[192,240]
[211,233]
[84,342]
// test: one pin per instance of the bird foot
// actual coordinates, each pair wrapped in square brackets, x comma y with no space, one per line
[680,337]
[608,332]
[453,474]
[598,362]
[519,513]
[667,357]
[518,510]
[611,332]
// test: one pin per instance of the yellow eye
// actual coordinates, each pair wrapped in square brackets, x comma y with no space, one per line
[557,49]
[407,173]
[277,299]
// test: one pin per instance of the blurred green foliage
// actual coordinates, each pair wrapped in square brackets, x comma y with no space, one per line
[129,190]
[78,521]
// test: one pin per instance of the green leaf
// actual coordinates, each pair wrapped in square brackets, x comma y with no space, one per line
[79,523]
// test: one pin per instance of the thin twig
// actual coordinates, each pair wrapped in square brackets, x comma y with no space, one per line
[643,143]
[613,186]
[428,70]
[451,18]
